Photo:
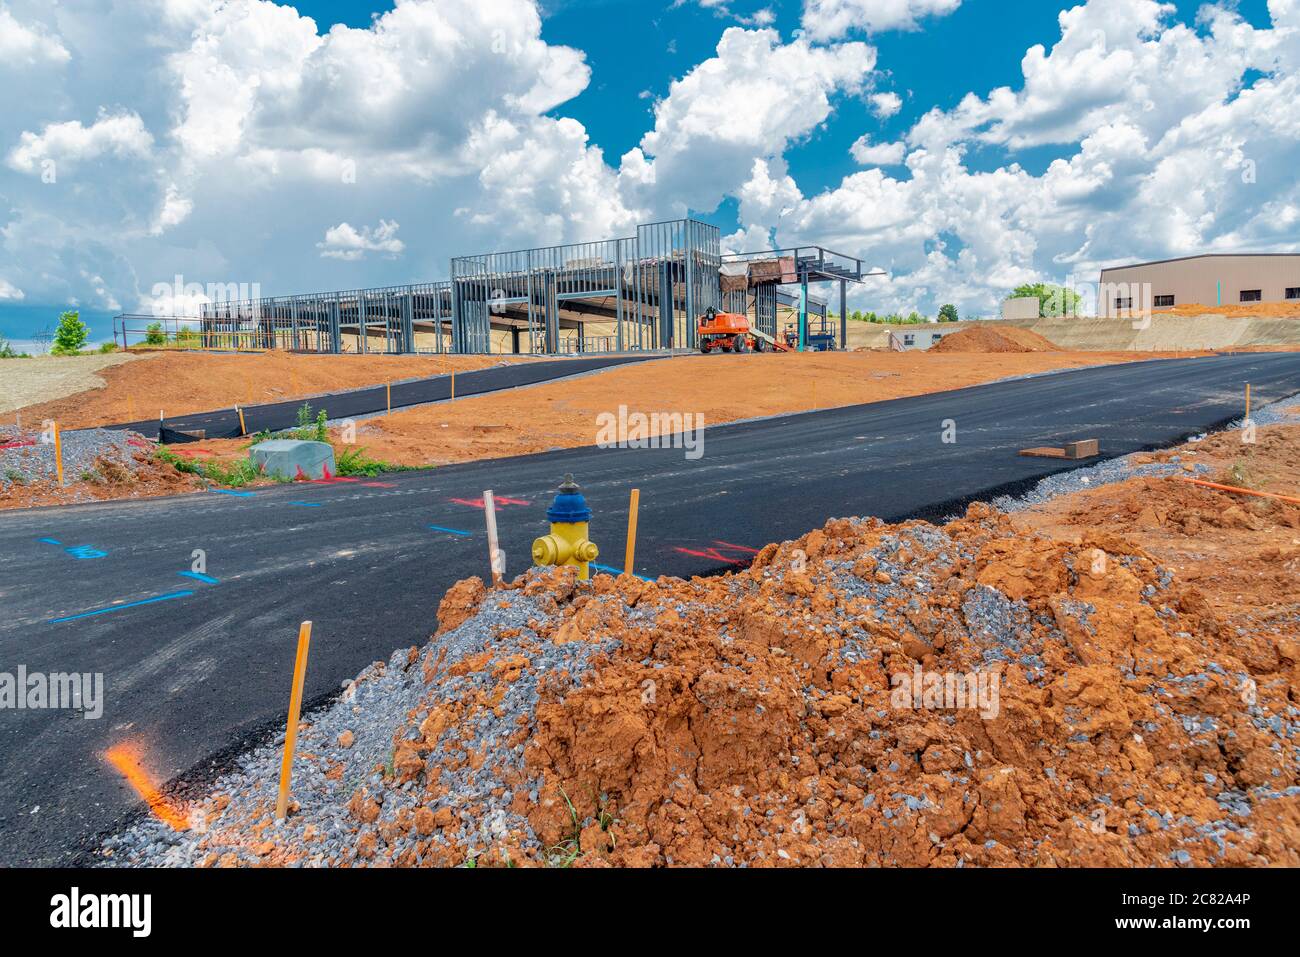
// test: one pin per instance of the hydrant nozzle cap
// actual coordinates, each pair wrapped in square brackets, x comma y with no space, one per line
[569,504]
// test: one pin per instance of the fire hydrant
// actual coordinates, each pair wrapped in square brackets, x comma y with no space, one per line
[567,544]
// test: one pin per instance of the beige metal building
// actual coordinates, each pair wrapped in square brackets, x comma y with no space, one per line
[1209,280]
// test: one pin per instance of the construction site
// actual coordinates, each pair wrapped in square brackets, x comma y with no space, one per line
[655,442]
[1017,631]
[639,293]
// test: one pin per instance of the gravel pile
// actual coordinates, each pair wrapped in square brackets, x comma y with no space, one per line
[82,450]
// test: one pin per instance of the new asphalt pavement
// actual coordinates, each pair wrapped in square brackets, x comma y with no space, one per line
[195,663]
[224,423]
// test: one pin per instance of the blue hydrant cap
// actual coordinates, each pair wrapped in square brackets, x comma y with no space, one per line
[569,505]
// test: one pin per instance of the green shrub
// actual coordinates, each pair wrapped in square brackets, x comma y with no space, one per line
[7,351]
[70,335]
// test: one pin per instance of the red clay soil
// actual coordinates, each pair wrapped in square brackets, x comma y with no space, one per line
[1002,339]
[183,382]
[1254,310]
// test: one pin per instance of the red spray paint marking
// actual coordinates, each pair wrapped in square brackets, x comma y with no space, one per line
[332,479]
[18,444]
[737,548]
[499,499]
[378,485]
[184,453]
[715,554]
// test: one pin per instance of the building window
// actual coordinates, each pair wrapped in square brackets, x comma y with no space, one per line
[935,337]
[1164,301]
[1252,295]
[1124,303]
[908,339]
[1293,292]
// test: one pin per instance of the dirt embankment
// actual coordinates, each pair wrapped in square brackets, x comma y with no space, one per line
[999,691]
[1001,339]
[182,383]
[1255,310]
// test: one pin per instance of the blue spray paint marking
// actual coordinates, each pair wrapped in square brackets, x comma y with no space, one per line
[199,576]
[85,551]
[130,604]
[76,551]
[226,491]
[450,531]
[309,504]
[616,571]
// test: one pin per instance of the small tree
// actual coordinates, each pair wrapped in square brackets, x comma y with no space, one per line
[71,334]
[1052,300]
[154,335]
[948,313]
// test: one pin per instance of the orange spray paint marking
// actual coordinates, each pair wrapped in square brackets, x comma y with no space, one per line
[125,758]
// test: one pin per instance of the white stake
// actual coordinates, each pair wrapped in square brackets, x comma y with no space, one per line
[495,558]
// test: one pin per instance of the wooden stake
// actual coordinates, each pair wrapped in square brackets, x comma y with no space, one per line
[390,398]
[1247,401]
[242,429]
[453,385]
[295,710]
[490,513]
[629,559]
[58,453]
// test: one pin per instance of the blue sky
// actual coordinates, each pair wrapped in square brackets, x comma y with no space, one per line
[215,158]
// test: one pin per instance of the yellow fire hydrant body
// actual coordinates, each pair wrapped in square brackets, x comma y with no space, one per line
[567,544]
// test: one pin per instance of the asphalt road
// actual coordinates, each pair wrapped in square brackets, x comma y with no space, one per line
[224,423]
[194,673]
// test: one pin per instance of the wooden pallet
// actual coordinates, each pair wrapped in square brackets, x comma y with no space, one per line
[1083,449]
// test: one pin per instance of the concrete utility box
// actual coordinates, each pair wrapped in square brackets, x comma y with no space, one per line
[1024,307]
[285,457]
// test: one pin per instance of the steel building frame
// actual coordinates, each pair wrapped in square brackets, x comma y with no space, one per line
[638,292]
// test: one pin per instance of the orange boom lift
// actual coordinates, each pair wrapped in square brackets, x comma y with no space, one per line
[731,332]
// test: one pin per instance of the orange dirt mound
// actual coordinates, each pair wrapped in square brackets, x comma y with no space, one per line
[1254,310]
[1001,339]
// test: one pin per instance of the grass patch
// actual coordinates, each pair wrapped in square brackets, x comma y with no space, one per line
[234,474]
[1243,475]
[354,461]
[567,851]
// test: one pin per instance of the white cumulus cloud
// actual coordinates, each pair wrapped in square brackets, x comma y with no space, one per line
[71,143]
[877,154]
[24,45]
[831,19]
[345,241]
